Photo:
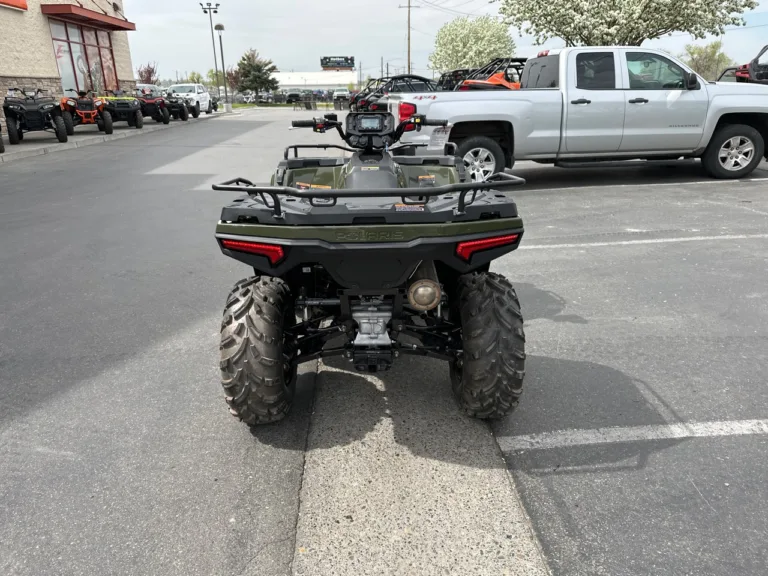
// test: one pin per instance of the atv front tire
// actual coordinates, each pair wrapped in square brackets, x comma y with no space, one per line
[184,113]
[210,108]
[14,133]
[138,120]
[106,119]
[256,370]
[60,128]
[196,110]
[166,116]
[69,122]
[488,380]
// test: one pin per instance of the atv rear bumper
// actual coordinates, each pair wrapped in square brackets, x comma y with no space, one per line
[370,257]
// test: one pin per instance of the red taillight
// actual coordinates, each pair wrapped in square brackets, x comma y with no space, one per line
[543,53]
[463,88]
[407,110]
[464,250]
[363,102]
[271,251]
[374,106]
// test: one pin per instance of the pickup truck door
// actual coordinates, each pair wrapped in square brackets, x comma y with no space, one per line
[594,103]
[661,114]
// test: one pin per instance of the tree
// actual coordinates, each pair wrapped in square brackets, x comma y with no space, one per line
[708,60]
[233,78]
[256,73]
[470,43]
[147,74]
[622,22]
[195,78]
[210,76]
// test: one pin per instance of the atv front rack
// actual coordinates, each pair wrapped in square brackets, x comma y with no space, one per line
[496,182]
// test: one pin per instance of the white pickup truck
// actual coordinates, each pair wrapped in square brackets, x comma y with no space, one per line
[580,106]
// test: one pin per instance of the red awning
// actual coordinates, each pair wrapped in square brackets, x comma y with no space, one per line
[78,15]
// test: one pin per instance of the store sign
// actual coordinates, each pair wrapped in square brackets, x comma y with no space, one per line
[338,62]
[20,4]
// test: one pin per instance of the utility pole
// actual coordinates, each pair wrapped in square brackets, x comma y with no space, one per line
[409,32]
[210,10]
[387,69]
[382,65]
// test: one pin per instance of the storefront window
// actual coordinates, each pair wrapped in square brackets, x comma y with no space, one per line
[84,57]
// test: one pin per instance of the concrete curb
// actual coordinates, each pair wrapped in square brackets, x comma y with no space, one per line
[93,140]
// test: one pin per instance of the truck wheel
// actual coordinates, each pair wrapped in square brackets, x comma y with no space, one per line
[184,114]
[488,379]
[734,151]
[196,110]
[69,122]
[106,119]
[166,116]
[138,120]
[59,128]
[256,370]
[14,134]
[482,157]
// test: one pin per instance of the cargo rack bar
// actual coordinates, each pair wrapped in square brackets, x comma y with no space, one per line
[497,181]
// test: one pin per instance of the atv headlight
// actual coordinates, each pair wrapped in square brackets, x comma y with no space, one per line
[15,107]
[97,102]
[71,103]
[135,102]
[46,106]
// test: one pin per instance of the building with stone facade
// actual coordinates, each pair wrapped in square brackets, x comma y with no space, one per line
[61,44]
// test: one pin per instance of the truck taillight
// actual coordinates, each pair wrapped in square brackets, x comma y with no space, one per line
[272,252]
[543,53]
[465,250]
[407,110]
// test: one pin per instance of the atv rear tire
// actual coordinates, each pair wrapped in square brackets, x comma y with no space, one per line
[184,114]
[60,129]
[14,133]
[255,368]
[166,116]
[106,118]
[210,108]
[138,120]
[196,110]
[69,122]
[488,380]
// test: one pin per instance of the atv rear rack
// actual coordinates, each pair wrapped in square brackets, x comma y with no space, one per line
[497,181]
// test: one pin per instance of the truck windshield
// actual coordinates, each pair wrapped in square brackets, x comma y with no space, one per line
[543,72]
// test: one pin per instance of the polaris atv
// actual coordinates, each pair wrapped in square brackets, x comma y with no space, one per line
[124,108]
[153,104]
[32,113]
[369,258]
[85,109]
[177,105]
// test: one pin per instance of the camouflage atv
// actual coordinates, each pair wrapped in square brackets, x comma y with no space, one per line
[370,257]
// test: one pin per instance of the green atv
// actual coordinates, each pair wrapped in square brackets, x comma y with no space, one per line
[123,108]
[370,257]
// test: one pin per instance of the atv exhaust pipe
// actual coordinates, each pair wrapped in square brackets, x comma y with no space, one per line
[424,291]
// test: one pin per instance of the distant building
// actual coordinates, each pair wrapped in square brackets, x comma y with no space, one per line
[326,80]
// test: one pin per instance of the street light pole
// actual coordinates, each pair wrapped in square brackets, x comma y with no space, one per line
[227,105]
[210,10]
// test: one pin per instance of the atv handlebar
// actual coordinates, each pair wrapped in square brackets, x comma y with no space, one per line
[303,123]
[428,122]
[497,181]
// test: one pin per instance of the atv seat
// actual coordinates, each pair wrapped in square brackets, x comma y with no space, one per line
[296,163]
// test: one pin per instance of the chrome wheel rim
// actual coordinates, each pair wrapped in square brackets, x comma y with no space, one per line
[480,164]
[736,153]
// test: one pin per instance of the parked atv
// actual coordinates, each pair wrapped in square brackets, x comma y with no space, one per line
[85,109]
[177,105]
[31,112]
[153,105]
[378,255]
[2,144]
[124,108]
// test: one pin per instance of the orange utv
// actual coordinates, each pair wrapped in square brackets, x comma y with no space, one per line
[85,109]
[499,74]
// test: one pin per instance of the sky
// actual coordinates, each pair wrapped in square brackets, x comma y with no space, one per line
[295,34]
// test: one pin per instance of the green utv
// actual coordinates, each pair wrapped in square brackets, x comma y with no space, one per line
[370,257]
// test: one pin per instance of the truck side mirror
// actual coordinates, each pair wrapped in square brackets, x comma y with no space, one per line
[691,81]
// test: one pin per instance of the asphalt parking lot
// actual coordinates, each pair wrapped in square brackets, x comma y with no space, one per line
[640,446]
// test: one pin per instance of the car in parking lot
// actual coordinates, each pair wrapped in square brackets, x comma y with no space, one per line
[195,95]
[590,105]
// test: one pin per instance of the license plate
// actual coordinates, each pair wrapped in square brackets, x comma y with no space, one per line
[439,138]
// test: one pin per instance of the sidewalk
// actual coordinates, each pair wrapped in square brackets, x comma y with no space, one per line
[39,143]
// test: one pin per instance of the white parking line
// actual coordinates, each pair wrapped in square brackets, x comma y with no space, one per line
[570,438]
[646,241]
